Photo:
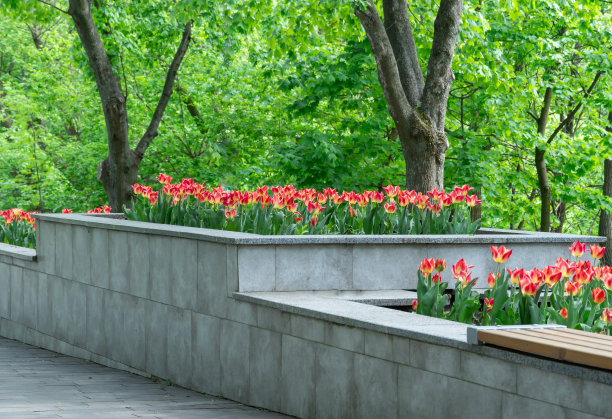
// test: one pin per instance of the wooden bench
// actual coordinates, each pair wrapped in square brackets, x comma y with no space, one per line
[549,341]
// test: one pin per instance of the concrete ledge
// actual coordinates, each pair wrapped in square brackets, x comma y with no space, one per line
[437,332]
[18,252]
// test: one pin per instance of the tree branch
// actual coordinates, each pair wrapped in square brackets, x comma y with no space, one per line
[399,32]
[151,131]
[576,109]
[531,114]
[55,7]
[388,73]
[439,68]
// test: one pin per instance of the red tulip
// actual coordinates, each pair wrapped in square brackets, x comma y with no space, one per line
[415,304]
[583,276]
[153,198]
[489,303]
[435,194]
[491,279]
[435,209]
[446,200]
[607,281]
[461,272]
[500,254]
[457,197]
[337,199]
[572,288]
[164,179]
[536,276]
[427,266]
[516,275]
[551,275]
[528,287]
[436,278]
[391,190]
[567,269]
[66,211]
[598,295]
[460,268]
[463,190]
[390,207]
[563,313]
[230,213]
[440,265]
[597,252]
[376,197]
[404,198]
[607,315]
[577,249]
[472,200]
[421,201]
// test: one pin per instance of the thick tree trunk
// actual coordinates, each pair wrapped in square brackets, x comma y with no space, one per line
[540,163]
[424,152]
[120,168]
[417,107]
[605,222]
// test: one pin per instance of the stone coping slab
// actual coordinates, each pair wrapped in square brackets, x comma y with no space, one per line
[18,252]
[494,236]
[383,298]
[339,307]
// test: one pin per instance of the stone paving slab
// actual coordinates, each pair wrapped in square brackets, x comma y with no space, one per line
[37,383]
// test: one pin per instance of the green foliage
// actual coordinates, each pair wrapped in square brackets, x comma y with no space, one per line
[18,233]
[287,92]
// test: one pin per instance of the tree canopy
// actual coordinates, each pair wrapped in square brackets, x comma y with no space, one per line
[288,92]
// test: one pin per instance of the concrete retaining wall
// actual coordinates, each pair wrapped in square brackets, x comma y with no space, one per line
[165,301]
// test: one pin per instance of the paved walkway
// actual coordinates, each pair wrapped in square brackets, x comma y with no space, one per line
[36,383]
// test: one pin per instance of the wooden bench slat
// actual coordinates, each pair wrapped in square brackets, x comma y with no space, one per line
[592,335]
[520,334]
[540,346]
[586,337]
[563,339]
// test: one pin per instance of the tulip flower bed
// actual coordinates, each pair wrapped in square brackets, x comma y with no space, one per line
[19,227]
[572,293]
[286,210]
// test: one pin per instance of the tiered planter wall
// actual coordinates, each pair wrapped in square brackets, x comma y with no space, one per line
[202,308]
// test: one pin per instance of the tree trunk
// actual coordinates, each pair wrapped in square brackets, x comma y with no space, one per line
[119,170]
[424,152]
[540,163]
[605,223]
[417,107]
[560,213]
